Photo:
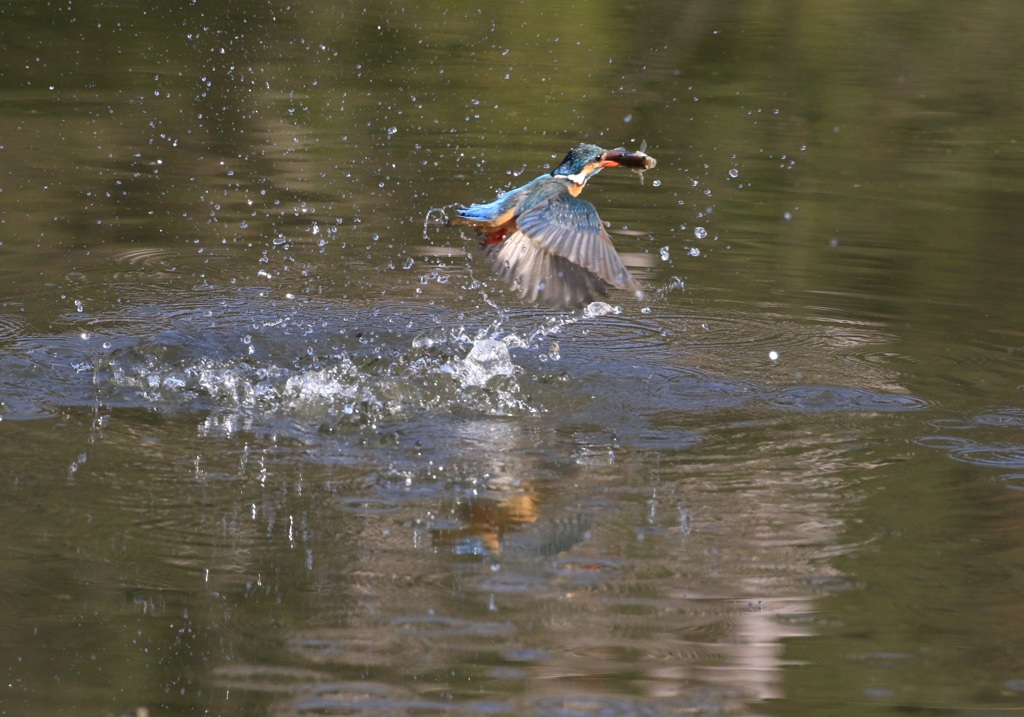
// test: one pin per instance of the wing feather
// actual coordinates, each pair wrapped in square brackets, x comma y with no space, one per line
[570,228]
[537,275]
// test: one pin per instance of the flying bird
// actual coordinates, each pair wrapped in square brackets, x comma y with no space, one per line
[549,245]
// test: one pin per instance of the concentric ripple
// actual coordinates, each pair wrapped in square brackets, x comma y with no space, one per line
[10,325]
[992,442]
[1009,456]
[839,398]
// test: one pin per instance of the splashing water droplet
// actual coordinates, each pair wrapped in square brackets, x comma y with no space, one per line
[664,253]
[599,308]
[700,232]
[488,358]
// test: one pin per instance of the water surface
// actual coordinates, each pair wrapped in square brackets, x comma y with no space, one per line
[275,444]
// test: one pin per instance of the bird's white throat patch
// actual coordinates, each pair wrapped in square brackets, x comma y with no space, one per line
[576,182]
[579,178]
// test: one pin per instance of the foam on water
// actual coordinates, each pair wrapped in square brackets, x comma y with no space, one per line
[396,379]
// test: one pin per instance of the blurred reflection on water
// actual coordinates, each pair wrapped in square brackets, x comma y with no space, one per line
[276,444]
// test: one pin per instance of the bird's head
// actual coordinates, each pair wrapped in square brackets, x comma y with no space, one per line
[586,160]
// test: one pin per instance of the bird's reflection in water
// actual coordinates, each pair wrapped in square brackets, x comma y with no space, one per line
[505,519]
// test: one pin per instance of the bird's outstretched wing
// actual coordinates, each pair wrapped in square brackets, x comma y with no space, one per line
[560,255]
[539,276]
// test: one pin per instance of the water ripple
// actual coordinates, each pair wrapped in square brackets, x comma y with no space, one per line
[144,255]
[947,442]
[1006,417]
[995,455]
[1014,481]
[839,398]
[11,325]
[979,450]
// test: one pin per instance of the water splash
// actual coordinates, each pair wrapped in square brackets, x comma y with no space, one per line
[599,308]
[487,359]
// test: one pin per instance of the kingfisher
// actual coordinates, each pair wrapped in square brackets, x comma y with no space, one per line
[549,245]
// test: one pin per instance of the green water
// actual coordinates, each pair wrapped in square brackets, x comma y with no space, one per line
[248,466]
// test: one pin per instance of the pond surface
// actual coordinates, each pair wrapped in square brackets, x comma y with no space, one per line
[273,442]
